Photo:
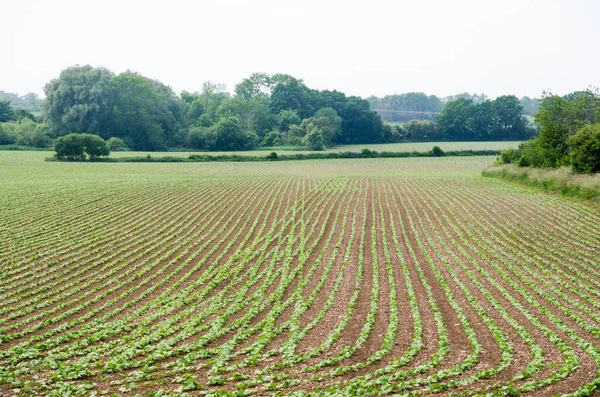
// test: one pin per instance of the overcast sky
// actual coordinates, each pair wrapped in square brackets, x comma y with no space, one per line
[373,47]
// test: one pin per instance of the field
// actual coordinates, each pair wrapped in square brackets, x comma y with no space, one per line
[380,147]
[327,277]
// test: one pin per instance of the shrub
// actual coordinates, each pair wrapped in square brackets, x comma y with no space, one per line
[271,139]
[271,156]
[585,149]
[117,145]
[5,138]
[314,140]
[77,147]
[508,156]
[437,151]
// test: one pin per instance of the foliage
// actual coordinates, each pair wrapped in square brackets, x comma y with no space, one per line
[5,138]
[314,139]
[79,100]
[464,120]
[6,111]
[29,102]
[141,113]
[286,118]
[27,132]
[585,149]
[560,118]
[437,151]
[561,180]
[421,130]
[79,147]
[117,145]
[408,106]
[229,135]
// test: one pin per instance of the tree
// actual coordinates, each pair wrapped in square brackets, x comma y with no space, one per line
[256,84]
[253,113]
[77,147]
[230,136]
[5,138]
[6,111]
[437,151]
[508,117]
[359,123]
[454,120]
[116,145]
[194,111]
[334,120]
[291,94]
[314,139]
[421,130]
[286,118]
[585,149]
[141,112]
[212,95]
[79,100]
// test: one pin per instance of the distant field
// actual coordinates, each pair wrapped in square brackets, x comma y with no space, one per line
[384,147]
[410,276]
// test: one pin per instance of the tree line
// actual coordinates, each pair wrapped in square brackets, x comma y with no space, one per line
[29,102]
[148,115]
[140,113]
[419,106]
[569,134]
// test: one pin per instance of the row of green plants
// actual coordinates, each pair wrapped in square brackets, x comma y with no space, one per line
[226,294]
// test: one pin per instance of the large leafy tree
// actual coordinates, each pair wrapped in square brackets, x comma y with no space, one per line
[141,112]
[253,113]
[80,101]
[456,119]
[255,85]
[291,94]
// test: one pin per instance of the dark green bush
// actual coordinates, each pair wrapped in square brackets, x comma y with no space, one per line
[78,147]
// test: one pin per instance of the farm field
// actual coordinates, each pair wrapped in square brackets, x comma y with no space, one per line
[323,277]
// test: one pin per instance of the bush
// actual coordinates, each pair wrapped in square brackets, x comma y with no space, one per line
[272,139]
[585,149]
[508,156]
[27,132]
[78,147]
[437,151]
[314,140]
[5,138]
[117,145]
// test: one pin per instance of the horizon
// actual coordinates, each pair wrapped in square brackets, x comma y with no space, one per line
[514,47]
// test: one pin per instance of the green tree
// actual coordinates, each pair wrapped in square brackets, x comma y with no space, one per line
[141,113]
[291,94]
[255,85]
[79,100]
[585,149]
[286,118]
[194,111]
[230,136]
[314,139]
[421,130]
[5,137]
[454,120]
[253,113]
[117,145]
[78,147]
[6,111]
[334,119]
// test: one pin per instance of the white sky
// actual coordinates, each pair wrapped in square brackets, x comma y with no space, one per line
[366,47]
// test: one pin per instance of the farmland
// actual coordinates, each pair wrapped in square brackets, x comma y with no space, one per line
[349,277]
